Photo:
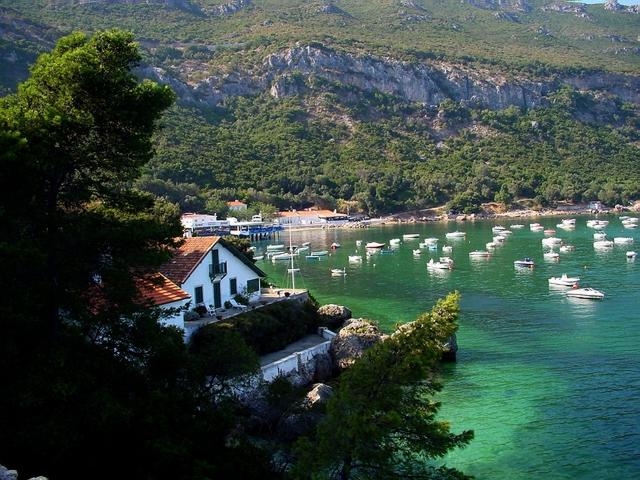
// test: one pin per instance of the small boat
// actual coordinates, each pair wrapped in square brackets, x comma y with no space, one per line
[358,243]
[564,280]
[258,257]
[599,236]
[306,244]
[335,245]
[447,249]
[446,260]
[630,220]
[631,254]
[499,239]
[394,241]
[409,236]
[312,257]
[603,244]
[498,229]
[535,227]
[551,241]
[282,256]
[355,258]
[525,262]
[492,244]
[338,272]
[302,249]
[479,253]
[505,233]
[567,248]
[272,254]
[431,265]
[623,240]
[568,221]
[430,241]
[516,226]
[456,235]
[549,231]
[623,217]
[630,225]
[417,252]
[375,245]
[320,253]
[590,293]
[271,248]
[293,270]
[551,255]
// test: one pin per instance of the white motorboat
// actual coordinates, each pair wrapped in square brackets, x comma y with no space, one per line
[567,248]
[603,244]
[282,256]
[534,227]
[358,243]
[306,244]
[431,265]
[335,245]
[631,254]
[479,253]
[355,258]
[446,260]
[272,248]
[302,249]
[590,293]
[375,245]
[568,221]
[272,254]
[630,220]
[549,231]
[456,235]
[320,253]
[491,245]
[516,226]
[498,229]
[630,225]
[623,217]
[430,241]
[338,272]
[551,241]
[409,236]
[597,224]
[599,236]
[447,249]
[394,241]
[525,262]
[499,239]
[623,240]
[258,257]
[417,252]
[564,280]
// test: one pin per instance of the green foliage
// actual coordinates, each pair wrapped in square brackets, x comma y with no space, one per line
[95,380]
[273,327]
[381,422]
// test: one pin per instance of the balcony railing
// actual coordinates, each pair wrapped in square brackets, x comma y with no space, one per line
[218,271]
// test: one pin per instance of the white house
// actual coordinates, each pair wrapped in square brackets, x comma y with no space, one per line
[160,291]
[212,271]
[312,217]
[236,206]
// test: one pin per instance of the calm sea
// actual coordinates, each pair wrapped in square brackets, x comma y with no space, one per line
[550,385]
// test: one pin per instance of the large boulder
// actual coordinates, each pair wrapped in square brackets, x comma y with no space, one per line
[357,336]
[333,316]
[319,394]
[6,474]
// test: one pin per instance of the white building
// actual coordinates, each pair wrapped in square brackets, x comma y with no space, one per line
[198,221]
[236,206]
[204,271]
[312,217]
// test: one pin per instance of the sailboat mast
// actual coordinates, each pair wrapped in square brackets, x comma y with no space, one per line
[293,272]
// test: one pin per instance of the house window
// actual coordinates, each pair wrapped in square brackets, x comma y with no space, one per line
[253,285]
[233,286]
[199,296]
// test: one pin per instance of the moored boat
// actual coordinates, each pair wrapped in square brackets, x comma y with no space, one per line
[525,263]
[417,252]
[564,280]
[549,231]
[455,235]
[355,258]
[599,236]
[516,226]
[567,248]
[590,293]
[623,240]
[479,253]
[320,253]
[335,245]
[409,236]
[271,248]
[603,244]
[258,257]
[431,265]
[375,245]
[394,241]
[551,255]
[338,272]
[282,256]
[447,249]
[631,254]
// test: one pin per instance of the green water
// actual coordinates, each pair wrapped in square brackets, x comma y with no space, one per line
[550,385]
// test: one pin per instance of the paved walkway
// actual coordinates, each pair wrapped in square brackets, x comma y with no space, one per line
[297,346]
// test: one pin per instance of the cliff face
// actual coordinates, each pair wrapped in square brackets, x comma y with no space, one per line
[427,83]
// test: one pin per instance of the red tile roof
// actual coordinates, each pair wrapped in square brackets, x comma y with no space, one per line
[187,257]
[159,290]
[236,203]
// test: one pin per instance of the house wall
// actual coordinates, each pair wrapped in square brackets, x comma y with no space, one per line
[177,319]
[235,269]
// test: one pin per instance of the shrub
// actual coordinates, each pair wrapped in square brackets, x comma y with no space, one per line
[201,310]
[273,327]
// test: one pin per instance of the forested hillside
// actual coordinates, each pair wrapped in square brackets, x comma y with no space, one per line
[379,105]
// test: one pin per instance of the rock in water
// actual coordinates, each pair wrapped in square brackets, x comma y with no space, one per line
[352,341]
[450,349]
[334,315]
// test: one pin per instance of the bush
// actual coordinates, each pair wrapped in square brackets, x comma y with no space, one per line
[228,305]
[190,316]
[273,327]
[201,310]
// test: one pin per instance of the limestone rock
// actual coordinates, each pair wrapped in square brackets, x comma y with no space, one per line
[357,336]
[333,316]
[6,474]
[319,394]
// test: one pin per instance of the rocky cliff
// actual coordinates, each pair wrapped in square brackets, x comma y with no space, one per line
[286,72]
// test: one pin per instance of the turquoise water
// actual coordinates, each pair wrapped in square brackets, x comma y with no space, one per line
[551,386]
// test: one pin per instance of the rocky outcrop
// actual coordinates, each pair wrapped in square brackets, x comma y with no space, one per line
[229,8]
[578,9]
[357,336]
[6,474]
[319,394]
[515,5]
[284,73]
[333,316]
